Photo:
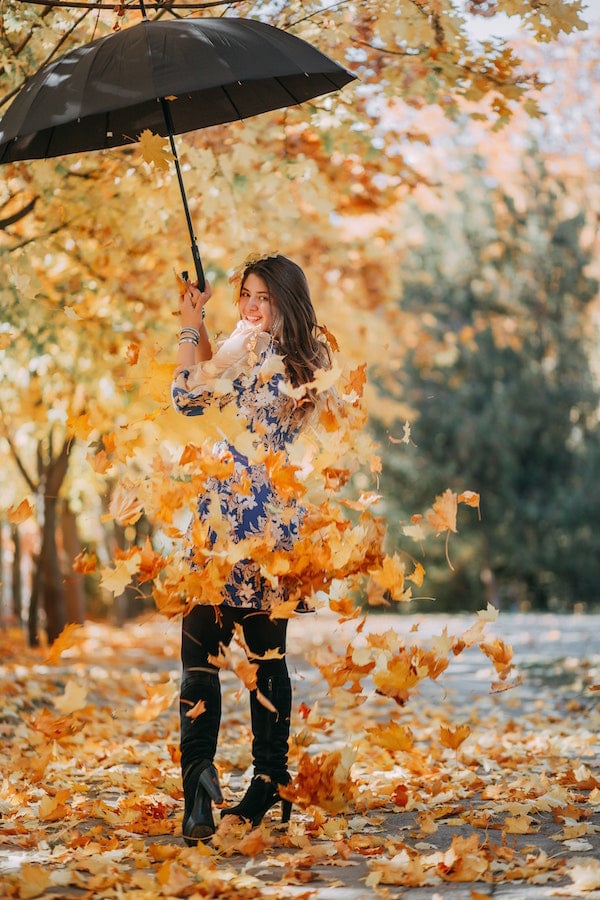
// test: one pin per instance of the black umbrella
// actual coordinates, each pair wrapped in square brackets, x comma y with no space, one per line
[166,76]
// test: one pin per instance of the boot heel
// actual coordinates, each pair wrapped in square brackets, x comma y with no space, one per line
[286,811]
[209,779]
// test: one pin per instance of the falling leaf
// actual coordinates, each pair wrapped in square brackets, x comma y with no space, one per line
[197,710]
[442,516]
[159,698]
[69,637]
[125,506]
[501,655]
[132,354]
[392,736]
[454,737]
[117,579]
[154,150]
[85,562]
[20,513]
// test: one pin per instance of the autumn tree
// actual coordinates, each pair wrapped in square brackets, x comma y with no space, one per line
[503,392]
[89,243]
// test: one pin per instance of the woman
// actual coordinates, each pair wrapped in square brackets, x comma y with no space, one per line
[276,319]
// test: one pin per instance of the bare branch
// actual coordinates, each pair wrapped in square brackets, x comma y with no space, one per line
[33,487]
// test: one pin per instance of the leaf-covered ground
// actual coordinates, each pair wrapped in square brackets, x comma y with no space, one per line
[456,788]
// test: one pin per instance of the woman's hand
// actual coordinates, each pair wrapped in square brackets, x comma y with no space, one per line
[191,304]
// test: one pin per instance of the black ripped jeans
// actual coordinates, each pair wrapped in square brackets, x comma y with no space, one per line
[203,631]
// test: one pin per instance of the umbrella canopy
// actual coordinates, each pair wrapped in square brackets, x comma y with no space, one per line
[211,70]
[169,77]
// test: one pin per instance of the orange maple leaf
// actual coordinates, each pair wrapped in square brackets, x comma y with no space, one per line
[390,576]
[454,737]
[85,562]
[283,474]
[196,710]
[357,379]
[501,655]
[331,338]
[151,563]
[398,678]
[18,514]
[324,780]
[69,637]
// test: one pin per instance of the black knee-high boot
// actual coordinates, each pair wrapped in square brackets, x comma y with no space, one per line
[271,733]
[198,743]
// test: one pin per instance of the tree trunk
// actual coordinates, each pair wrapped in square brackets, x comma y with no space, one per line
[52,587]
[16,580]
[49,590]
[73,581]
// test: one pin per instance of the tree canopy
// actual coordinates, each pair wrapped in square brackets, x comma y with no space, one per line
[89,243]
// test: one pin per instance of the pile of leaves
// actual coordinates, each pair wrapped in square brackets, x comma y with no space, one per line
[473,790]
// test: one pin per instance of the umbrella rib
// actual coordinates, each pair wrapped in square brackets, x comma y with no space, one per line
[287,90]
[229,97]
[294,98]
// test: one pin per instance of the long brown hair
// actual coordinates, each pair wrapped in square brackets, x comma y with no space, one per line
[295,329]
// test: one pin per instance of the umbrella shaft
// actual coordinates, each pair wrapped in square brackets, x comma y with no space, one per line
[186,209]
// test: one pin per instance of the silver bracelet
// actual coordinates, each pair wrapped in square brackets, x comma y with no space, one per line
[188,331]
[188,340]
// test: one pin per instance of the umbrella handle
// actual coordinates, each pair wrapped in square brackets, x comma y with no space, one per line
[198,265]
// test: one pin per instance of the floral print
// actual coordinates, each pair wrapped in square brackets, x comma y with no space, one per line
[252,512]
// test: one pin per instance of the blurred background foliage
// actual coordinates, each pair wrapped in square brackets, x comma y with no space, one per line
[502,394]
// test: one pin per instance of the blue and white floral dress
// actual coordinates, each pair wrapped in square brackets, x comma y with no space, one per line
[268,413]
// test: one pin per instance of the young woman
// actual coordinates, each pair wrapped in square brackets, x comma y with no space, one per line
[276,319]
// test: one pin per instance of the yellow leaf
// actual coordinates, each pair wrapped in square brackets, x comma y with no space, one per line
[73,698]
[519,825]
[34,880]
[125,507]
[442,516]
[418,575]
[117,579]
[392,736]
[159,697]
[390,576]
[80,427]
[154,150]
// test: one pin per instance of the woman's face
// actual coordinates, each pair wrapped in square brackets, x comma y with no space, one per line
[255,304]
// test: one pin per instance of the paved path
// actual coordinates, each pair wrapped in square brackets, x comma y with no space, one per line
[558,658]
[543,732]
